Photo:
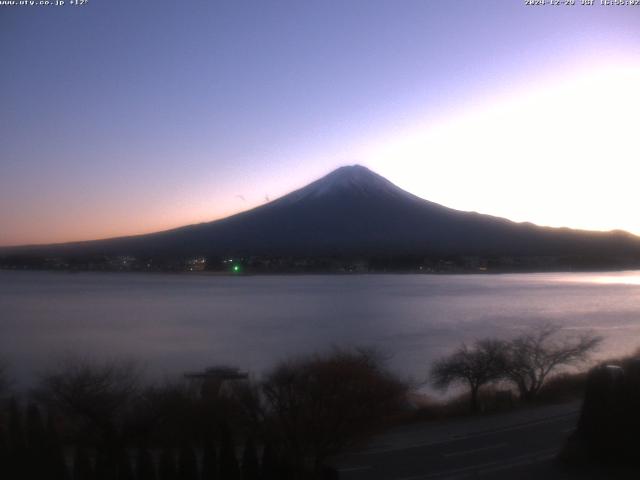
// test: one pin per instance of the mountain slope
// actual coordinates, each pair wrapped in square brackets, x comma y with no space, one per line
[353,211]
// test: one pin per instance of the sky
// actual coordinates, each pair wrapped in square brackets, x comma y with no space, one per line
[124,117]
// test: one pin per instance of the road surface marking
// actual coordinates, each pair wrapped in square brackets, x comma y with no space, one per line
[474,450]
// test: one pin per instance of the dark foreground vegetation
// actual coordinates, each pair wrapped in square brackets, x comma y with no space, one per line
[606,433]
[102,421]
[523,364]
[99,421]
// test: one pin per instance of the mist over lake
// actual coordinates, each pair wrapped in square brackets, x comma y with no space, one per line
[176,323]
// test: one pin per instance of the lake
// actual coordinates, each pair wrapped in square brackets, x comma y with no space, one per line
[175,323]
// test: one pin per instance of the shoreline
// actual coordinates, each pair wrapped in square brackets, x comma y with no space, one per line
[327,273]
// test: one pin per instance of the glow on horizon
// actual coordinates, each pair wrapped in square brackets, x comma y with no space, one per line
[632,279]
[558,152]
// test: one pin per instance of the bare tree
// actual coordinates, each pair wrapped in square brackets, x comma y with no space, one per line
[473,367]
[322,404]
[533,356]
[94,394]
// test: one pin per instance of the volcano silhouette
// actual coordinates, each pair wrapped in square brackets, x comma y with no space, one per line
[354,211]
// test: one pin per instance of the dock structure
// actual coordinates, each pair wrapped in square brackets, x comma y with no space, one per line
[212,379]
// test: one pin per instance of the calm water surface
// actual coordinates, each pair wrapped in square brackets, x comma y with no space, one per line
[174,323]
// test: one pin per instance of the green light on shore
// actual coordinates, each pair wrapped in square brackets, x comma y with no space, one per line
[236,268]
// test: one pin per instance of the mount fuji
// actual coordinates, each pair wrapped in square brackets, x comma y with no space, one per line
[353,211]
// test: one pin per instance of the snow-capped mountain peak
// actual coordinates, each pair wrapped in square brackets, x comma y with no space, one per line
[354,180]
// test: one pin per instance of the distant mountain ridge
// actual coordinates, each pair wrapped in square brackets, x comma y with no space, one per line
[353,211]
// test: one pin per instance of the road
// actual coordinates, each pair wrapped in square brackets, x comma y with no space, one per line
[519,445]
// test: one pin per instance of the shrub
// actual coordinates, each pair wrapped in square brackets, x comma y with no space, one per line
[322,404]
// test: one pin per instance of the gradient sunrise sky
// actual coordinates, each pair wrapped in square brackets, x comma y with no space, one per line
[123,117]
